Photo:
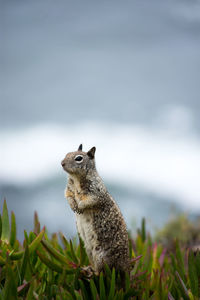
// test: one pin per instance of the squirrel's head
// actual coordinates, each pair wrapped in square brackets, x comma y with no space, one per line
[79,162]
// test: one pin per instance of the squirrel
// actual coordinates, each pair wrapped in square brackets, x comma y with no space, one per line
[99,220]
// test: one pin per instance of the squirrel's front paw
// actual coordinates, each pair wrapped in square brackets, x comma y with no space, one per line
[81,206]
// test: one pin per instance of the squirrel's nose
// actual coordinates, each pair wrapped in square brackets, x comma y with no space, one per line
[62,163]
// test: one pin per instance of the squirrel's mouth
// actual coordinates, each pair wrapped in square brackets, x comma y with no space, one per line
[63,163]
[67,169]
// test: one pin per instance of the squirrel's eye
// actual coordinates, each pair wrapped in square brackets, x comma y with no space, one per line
[79,158]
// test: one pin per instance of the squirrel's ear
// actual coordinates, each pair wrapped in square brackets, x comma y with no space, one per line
[80,147]
[91,152]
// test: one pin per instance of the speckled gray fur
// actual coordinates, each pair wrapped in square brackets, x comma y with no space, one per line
[99,220]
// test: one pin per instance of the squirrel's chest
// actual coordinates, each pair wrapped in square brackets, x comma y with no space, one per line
[85,228]
[78,193]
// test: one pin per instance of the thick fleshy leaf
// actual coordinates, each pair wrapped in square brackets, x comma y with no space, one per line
[36,241]
[127,281]
[83,255]
[49,263]
[76,278]
[64,240]
[32,246]
[193,277]
[36,223]
[108,271]
[112,286]
[197,263]
[23,288]
[170,297]
[13,230]
[5,224]
[192,297]
[130,293]
[143,231]
[10,290]
[26,239]
[119,295]
[60,257]
[24,263]
[93,289]
[102,287]
[30,292]
[133,260]
[74,257]
[183,287]
[83,290]
[179,257]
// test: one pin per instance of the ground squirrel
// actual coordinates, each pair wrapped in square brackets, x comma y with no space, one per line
[99,221]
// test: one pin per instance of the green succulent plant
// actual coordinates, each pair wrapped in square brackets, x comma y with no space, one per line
[54,267]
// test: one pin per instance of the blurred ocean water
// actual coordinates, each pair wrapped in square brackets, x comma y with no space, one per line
[121,76]
[149,172]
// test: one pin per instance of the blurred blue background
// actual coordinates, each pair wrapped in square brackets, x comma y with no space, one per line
[121,75]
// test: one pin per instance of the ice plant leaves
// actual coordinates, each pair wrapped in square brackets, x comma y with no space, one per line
[43,269]
[83,255]
[5,235]
[32,246]
[49,263]
[13,230]
[74,257]
[60,257]
[193,275]
[102,287]
[184,291]
[93,289]
[10,290]
[24,264]
[180,261]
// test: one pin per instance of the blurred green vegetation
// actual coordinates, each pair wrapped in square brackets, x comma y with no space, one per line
[53,267]
[182,228]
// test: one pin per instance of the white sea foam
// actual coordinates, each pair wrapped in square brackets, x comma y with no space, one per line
[155,160]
